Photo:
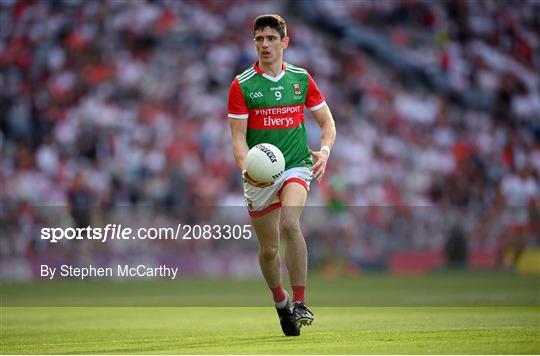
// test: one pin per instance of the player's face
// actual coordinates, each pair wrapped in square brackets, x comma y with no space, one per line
[269,45]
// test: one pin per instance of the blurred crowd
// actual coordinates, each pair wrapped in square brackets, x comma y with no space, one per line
[123,103]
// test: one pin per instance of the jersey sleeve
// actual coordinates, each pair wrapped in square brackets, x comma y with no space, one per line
[314,99]
[237,107]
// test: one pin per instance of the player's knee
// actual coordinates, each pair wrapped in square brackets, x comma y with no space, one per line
[268,252]
[290,227]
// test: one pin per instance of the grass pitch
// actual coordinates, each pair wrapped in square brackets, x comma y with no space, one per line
[476,324]
[255,330]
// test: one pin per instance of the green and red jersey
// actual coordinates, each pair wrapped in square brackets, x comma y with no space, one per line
[274,108]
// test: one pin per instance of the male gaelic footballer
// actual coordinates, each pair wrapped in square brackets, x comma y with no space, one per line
[266,105]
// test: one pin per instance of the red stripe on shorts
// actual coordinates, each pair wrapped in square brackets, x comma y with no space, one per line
[291,180]
[269,208]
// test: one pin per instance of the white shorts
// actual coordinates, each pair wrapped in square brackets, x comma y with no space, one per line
[260,201]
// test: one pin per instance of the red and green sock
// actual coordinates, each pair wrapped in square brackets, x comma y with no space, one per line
[298,294]
[280,298]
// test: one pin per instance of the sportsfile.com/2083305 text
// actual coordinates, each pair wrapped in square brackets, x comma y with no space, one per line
[120,232]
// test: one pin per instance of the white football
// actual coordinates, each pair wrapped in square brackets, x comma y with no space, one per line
[264,163]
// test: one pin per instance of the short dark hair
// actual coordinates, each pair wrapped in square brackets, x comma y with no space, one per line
[273,21]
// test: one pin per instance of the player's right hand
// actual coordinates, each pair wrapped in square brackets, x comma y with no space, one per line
[254,182]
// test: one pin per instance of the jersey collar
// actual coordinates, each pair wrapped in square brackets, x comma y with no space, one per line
[268,76]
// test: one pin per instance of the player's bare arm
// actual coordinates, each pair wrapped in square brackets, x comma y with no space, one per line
[240,148]
[239,144]
[324,118]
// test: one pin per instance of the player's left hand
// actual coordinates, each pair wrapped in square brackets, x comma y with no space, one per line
[318,169]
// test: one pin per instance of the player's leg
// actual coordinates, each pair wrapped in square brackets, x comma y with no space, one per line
[293,198]
[267,230]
